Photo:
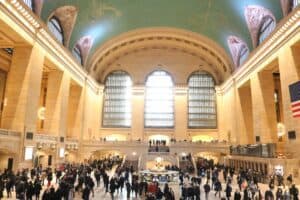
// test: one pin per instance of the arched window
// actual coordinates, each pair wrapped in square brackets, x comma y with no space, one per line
[201,101]
[55,28]
[117,100]
[29,3]
[295,3]
[266,28]
[243,55]
[159,104]
[77,54]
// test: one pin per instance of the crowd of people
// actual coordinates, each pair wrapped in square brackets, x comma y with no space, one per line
[158,146]
[83,179]
[80,179]
[247,181]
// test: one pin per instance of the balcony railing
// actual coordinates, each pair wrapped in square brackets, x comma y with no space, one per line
[47,138]
[256,150]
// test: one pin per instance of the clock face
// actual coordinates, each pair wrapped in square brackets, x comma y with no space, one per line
[41,113]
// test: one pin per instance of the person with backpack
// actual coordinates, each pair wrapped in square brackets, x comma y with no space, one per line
[294,192]
[206,190]
[228,190]
[218,188]
[128,189]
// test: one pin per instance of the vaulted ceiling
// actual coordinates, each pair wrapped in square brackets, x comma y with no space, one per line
[105,19]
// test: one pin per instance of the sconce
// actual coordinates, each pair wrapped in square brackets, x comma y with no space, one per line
[41,113]
[280,131]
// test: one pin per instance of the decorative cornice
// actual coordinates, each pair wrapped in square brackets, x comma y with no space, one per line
[19,14]
[285,30]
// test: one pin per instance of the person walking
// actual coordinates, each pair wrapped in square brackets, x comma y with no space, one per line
[206,190]
[237,195]
[228,191]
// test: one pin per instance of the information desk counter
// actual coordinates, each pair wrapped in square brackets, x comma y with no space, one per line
[162,176]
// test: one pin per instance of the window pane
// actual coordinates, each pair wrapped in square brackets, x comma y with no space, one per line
[28,3]
[296,3]
[117,100]
[77,54]
[243,55]
[56,29]
[201,101]
[159,105]
[266,29]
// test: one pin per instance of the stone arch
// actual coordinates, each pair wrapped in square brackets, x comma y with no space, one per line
[235,45]
[255,16]
[162,38]
[67,17]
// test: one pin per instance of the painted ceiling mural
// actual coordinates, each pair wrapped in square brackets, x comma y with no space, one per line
[104,19]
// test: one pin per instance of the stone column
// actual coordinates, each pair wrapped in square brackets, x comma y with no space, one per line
[289,68]
[181,113]
[246,125]
[23,92]
[23,89]
[75,110]
[263,105]
[137,117]
[57,103]
[92,116]
[56,112]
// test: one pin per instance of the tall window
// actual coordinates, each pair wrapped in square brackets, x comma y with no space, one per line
[29,3]
[243,55]
[56,29]
[117,100]
[201,101]
[77,54]
[266,28]
[295,3]
[159,105]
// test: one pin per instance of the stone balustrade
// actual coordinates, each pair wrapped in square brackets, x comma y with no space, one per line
[118,143]
[45,138]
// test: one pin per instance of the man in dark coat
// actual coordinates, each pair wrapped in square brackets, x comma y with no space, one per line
[37,189]
[206,190]
[294,192]
[86,193]
[128,189]
[269,195]
[197,192]
[228,191]
[237,195]
[218,188]
[29,191]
